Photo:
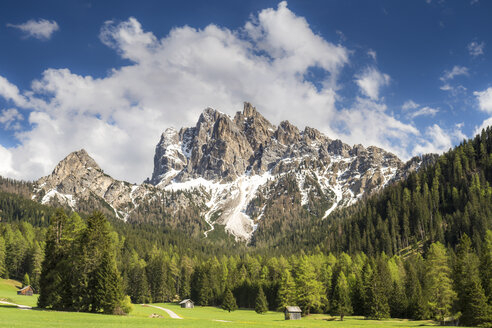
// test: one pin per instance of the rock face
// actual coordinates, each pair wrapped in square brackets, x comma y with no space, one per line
[78,178]
[232,172]
[234,159]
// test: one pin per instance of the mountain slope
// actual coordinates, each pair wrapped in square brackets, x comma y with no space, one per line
[440,202]
[232,172]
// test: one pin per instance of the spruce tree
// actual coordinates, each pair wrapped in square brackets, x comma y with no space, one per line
[261,304]
[377,299]
[3,268]
[439,287]
[229,302]
[397,301]
[53,272]
[471,297]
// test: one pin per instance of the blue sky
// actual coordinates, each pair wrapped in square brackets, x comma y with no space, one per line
[110,76]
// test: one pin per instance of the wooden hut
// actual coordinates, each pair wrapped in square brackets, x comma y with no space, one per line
[292,313]
[187,304]
[27,291]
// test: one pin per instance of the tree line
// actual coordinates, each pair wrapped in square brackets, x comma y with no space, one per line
[89,267]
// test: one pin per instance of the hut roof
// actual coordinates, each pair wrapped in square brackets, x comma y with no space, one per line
[25,288]
[185,301]
[293,309]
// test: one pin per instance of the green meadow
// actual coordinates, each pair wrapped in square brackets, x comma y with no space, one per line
[11,316]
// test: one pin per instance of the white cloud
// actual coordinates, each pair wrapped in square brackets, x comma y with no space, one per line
[41,29]
[486,123]
[456,71]
[476,49]
[368,123]
[118,118]
[10,92]
[438,140]
[424,111]
[409,104]
[370,81]
[484,99]
[9,118]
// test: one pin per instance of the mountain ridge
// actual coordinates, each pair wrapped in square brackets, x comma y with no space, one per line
[230,168]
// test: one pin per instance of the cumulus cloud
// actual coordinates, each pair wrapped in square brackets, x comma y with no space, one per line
[40,29]
[486,123]
[118,118]
[370,81]
[476,49]
[10,118]
[484,99]
[438,140]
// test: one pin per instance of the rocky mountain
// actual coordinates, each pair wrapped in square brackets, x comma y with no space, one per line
[240,173]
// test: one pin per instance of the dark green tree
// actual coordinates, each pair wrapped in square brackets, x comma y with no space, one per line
[3,268]
[228,301]
[471,297]
[261,304]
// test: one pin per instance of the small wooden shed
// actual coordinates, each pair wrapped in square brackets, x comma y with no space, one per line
[187,304]
[28,291]
[292,313]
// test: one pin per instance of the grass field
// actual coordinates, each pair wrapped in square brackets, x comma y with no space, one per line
[198,317]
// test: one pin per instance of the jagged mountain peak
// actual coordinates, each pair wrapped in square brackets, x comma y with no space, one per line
[241,172]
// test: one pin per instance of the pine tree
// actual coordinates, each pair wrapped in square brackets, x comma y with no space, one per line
[261,304]
[341,299]
[229,302]
[438,283]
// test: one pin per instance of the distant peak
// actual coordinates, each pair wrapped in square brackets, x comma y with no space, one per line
[249,110]
[75,160]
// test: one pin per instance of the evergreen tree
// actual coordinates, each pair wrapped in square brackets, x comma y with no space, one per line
[438,283]
[413,290]
[471,297]
[104,286]
[229,302]
[261,304]
[104,289]
[26,281]
[53,272]
[485,266]
[377,299]
[3,268]
[341,298]
[397,301]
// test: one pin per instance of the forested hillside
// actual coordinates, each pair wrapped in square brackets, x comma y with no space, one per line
[421,248]
[440,202]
